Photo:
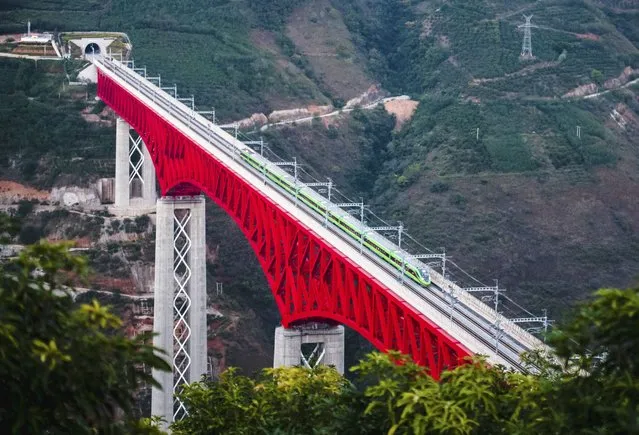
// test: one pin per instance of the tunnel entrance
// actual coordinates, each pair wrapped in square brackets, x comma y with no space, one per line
[92,49]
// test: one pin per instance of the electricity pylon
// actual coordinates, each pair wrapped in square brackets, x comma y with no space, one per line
[526,47]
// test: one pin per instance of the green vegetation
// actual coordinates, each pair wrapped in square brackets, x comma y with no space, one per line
[42,126]
[272,14]
[504,143]
[64,368]
[69,369]
[488,195]
[59,224]
[429,51]
[590,388]
[435,52]
[351,154]
[373,131]
[216,60]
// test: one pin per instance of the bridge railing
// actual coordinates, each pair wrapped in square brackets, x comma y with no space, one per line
[483,310]
[525,337]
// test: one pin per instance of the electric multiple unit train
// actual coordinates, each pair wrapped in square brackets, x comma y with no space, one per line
[346,224]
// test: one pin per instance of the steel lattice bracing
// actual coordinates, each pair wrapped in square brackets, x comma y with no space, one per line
[308,277]
[179,318]
[136,159]
[181,307]
[526,47]
[134,172]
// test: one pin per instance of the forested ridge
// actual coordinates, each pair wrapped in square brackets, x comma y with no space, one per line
[490,165]
[68,367]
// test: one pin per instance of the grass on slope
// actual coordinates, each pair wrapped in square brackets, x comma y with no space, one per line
[42,128]
[435,50]
[203,46]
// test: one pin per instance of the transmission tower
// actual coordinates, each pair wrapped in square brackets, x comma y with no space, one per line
[526,47]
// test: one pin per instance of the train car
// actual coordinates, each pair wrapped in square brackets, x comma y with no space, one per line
[374,243]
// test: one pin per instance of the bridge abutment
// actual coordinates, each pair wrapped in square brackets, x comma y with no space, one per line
[180,300]
[328,349]
[135,191]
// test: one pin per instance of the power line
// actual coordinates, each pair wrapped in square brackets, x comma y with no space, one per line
[341,199]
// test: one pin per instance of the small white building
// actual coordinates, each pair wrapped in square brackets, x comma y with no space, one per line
[37,38]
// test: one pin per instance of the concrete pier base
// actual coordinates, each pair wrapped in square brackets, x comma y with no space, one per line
[180,299]
[128,152]
[288,346]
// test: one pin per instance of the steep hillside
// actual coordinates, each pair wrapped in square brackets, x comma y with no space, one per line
[52,138]
[203,46]
[45,138]
[504,162]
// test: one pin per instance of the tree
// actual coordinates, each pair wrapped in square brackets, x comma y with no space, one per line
[597,76]
[474,398]
[280,401]
[374,131]
[593,386]
[64,369]
[589,386]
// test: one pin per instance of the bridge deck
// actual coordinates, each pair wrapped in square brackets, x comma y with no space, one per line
[472,323]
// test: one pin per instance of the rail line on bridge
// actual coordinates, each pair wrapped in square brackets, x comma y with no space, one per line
[316,272]
[472,326]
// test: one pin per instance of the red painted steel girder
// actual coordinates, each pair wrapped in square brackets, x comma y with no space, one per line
[309,278]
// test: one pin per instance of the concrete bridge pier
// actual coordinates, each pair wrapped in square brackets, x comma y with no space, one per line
[180,299]
[327,346]
[135,191]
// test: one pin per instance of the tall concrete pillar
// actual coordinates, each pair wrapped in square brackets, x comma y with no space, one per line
[288,347]
[121,163]
[329,349]
[162,399]
[180,299]
[133,165]
[197,291]
[149,195]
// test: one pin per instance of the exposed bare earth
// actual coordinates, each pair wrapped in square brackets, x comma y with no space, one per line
[265,40]
[402,109]
[373,96]
[554,235]
[590,36]
[121,285]
[591,89]
[105,117]
[319,33]
[11,191]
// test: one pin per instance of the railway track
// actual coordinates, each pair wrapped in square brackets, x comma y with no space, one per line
[506,346]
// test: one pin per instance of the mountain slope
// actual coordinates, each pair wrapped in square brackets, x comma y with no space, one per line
[490,166]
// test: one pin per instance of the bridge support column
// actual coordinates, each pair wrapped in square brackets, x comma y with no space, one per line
[121,163]
[180,299]
[328,346]
[134,173]
[149,195]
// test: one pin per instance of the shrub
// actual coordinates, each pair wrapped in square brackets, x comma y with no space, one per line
[332,132]
[30,234]
[439,187]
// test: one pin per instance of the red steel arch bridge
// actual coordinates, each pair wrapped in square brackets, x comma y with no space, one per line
[315,271]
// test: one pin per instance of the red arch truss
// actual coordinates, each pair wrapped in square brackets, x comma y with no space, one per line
[308,277]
